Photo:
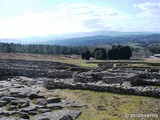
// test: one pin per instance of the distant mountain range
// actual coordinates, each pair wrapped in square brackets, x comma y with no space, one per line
[90,38]
[7,40]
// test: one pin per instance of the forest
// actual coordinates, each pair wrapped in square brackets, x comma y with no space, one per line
[41,49]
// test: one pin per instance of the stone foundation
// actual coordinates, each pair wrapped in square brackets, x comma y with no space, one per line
[114,88]
[123,81]
[116,80]
[51,73]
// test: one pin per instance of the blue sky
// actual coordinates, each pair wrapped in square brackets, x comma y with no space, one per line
[21,18]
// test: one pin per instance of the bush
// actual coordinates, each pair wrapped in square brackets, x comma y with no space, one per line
[100,54]
[119,52]
[86,55]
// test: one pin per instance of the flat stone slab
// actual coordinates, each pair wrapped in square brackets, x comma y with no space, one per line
[55,106]
[22,93]
[53,100]
[58,115]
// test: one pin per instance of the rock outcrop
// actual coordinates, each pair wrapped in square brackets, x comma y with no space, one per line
[24,97]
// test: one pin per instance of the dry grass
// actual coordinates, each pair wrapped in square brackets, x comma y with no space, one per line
[153,60]
[109,106]
[72,59]
[75,60]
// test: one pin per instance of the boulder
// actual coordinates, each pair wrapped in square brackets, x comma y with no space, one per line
[44,110]
[53,100]
[28,109]
[20,103]
[3,103]
[8,98]
[68,117]
[24,115]
[41,102]
[12,107]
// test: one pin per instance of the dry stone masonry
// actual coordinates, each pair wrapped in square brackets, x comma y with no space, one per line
[123,81]
[23,87]
[28,101]
[22,95]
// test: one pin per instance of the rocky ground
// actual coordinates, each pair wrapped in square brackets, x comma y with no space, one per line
[28,89]
[26,98]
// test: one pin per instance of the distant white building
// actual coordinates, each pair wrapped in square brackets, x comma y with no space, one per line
[157,55]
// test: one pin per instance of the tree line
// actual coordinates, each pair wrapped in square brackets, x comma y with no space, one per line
[41,49]
[117,52]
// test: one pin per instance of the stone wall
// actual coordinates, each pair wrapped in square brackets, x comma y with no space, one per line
[90,76]
[35,72]
[106,66]
[153,75]
[114,88]
[106,77]
[123,81]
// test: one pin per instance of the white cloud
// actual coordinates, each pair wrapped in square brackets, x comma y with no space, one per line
[149,9]
[68,18]
[92,17]
[149,16]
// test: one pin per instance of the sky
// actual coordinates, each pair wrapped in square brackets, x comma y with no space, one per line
[22,18]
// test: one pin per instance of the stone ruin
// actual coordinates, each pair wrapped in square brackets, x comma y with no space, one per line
[26,98]
[23,96]
[23,87]
[123,81]
[34,69]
